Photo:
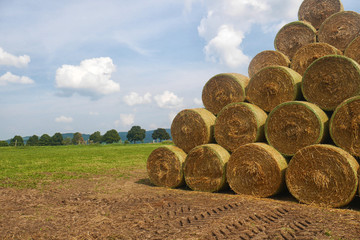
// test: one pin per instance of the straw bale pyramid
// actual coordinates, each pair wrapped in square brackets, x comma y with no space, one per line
[293,123]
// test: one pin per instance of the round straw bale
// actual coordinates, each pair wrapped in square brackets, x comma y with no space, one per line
[266,59]
[193,127]
[309,53]
[353,50]
[256,169]
[293,36]
[205,168]
[330,80]
[316,11]
[165,166]
[223,89]
[345,125]
[324,175]
[340,29]
[272,86]
[238,124]
[294,125]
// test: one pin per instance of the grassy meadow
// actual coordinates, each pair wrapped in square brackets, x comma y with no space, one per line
[29,167]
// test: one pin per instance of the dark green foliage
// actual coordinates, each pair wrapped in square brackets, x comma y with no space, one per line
[67,141]
[78,139]
[57,139]
[17,141]
[95,137]
[4,144]
[111,136]
[33,141]
[161,134]
[45,140]
[136,134]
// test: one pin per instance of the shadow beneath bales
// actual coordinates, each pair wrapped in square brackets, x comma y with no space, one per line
[145,181]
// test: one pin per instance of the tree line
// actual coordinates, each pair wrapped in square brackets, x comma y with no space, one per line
[136,133]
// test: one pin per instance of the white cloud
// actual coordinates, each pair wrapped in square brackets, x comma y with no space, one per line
[134,98]
[90,78]
[198,101]
[224,47]
[227,23]
[8,59]
[93,113]
[125,120]
[63,119]
[11,78]
[168,100]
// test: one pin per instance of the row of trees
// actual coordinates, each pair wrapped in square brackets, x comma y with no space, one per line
[136,133]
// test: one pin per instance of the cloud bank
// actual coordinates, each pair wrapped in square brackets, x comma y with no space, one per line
[63,119]
[227,23]
[168,100]
[125,120]
[134,98]
[8,59]
[11,78]
[90,78]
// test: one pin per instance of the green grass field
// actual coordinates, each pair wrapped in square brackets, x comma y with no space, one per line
[29,167]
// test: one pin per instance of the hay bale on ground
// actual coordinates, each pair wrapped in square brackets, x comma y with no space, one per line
[193,127]
[222,89]
[316,11]
[330,80]
[309,53]
[266,59]
[205,168]
[293,36]
[165,166]
[340,29]
[345,126]
[353,50]
[272,86]
[238,124]
[294,125]
[324,175]
[256,169]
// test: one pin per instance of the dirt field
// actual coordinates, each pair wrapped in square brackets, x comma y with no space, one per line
[104,208]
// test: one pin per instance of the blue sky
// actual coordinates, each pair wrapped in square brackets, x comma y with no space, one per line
[89,65]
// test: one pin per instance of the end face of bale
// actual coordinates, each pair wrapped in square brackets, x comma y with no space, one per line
[353,50]
[266,59]
[193,127]
[345,126]
[340,29]
[316,11]
[256,169]
[223,89]
[330,80]
[238,124]
[165,166]
[205,168]
[309,53]
[324,175]
[272,86]
[293,36]
[294,125]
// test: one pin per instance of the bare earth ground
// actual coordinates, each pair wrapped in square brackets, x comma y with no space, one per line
[132,208]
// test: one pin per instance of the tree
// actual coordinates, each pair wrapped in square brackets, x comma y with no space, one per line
[33,141]
[161,134]
[111,136]
[4,144]
[95,137]
[57,139]
[67,141]
[136,134]
[78,139]
[45,140]
[17,141]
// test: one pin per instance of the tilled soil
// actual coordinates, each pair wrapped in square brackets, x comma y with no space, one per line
[132,208]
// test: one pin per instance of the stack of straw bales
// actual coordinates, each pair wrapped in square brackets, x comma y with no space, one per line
[294,123]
